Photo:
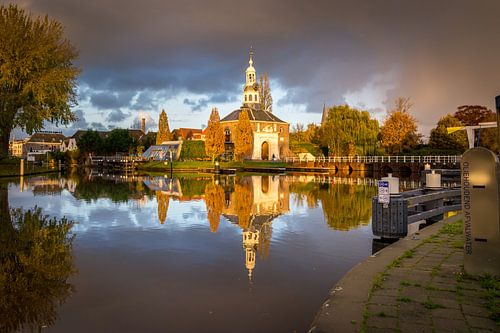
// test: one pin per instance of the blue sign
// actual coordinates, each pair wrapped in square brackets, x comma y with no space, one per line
[384,197]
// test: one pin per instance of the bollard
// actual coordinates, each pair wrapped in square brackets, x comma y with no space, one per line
[393,184]
[433,180]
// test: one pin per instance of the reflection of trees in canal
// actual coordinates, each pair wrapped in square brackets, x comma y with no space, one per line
[163,199]
[116,190]
[345,207]
[214,200]
[35,263]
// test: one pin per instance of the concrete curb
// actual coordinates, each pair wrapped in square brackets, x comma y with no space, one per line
[343,310]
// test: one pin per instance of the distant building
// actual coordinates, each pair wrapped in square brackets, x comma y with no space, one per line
[270,134]
[188,134]
[16,147]
[69,144]
[43,142]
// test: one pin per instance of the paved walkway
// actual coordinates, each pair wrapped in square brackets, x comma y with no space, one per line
[414,285]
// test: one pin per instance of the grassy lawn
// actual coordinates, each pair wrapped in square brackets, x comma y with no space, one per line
[10,168]
[305,147]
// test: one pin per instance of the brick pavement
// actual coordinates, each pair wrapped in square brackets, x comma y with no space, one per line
[425,290]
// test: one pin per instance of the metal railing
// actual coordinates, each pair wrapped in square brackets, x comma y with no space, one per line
[392,220]
[115,159]
[448,159]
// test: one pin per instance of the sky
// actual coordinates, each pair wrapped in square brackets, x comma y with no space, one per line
[188,56]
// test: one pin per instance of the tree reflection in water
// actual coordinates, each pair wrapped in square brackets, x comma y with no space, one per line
[163,199]
[35,264]
[345,207]
[214,200]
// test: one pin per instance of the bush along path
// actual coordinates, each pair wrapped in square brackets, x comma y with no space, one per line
[426,290]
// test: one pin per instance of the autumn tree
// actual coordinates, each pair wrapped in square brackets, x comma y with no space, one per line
[399,131]
[214,200]
[266,100]
[470,115]
[441,140]
[37,75]
[348,131]
[214,142]
[243,137]
[163,129]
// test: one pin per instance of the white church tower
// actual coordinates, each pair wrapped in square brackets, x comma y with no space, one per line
[251,96]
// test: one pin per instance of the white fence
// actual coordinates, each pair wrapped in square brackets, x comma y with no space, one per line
[379,159]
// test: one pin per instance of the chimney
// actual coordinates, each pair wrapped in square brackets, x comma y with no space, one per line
[143,125]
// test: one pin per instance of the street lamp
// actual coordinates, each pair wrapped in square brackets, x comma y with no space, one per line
[171,151]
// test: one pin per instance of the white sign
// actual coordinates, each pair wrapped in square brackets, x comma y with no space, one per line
[384,196]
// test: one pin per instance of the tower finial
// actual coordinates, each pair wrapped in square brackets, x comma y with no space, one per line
[251,56]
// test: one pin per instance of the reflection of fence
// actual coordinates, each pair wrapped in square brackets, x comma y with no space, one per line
[392,220]
[378,159]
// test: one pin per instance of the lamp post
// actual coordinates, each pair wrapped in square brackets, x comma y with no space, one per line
[497,102]
[171,151]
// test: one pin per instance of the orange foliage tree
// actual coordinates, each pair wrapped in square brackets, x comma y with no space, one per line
[163,129]
[243,138]
[399,131]
[214,143]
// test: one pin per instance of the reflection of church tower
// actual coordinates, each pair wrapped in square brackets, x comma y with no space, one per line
[251,96]
[250,242]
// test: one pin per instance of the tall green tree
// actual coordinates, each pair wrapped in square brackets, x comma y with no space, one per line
[348,131]
[119,140]
[399,131]
[243,137]
[90,143]
[441,140]
[163,129]
[214,142]
[266,100]
[37,75]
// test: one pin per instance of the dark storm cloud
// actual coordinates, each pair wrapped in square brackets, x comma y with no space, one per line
[446,51]
[111,100]
[116,116]
[203,103]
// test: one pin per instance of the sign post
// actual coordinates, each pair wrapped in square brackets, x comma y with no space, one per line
[384,196]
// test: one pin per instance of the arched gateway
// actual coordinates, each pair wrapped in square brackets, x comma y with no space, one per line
[265,151]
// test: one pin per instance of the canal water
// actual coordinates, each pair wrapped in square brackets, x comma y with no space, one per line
[196,253]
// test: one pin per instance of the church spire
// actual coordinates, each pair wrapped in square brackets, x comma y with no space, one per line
[251,96]
[324,116]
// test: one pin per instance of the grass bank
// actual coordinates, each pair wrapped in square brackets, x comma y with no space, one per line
[195,165]
[10,168]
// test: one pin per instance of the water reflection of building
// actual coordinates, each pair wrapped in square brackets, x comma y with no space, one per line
[42,185]
[253,203]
